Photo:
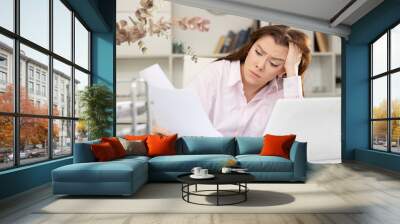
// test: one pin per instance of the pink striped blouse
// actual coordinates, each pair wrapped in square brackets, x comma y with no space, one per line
[220,89]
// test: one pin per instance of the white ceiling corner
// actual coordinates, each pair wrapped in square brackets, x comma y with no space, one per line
[314,15]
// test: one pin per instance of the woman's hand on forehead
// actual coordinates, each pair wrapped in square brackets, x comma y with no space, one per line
[293,60]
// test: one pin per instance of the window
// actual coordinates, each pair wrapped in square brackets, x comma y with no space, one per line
[30,72]
[37,74]
[30,87]
[54,126]
[6,73]
[3,61]
[38,89]
[385,91]
[3,72]
[7,14]
[34,21]
[44,91]
[62,29]
[3,78]
[81,81]
[6,142]
[81,45]
[62,74]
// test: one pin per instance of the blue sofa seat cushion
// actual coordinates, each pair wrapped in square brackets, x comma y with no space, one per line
[111,171]
[195,145]
[257,163]
[184,163]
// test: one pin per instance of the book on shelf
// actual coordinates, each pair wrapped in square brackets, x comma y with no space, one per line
[232,41]
[228,40]
[322,43]
[243,37]
[220,45]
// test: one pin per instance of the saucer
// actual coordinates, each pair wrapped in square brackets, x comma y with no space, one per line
[208,176]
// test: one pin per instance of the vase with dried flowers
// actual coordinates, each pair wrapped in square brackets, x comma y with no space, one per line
[143,24]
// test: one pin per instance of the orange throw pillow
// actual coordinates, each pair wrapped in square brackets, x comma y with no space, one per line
[116,145]
[136,137]
[160,145]
[103,151]
[275,145]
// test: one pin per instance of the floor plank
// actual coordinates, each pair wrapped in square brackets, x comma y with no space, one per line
[377,189]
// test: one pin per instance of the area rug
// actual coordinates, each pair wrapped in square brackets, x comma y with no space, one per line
[167,198]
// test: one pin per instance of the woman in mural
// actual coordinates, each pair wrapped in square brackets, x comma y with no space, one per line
[238,92]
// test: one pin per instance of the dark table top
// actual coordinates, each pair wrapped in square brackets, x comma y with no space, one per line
[220,178]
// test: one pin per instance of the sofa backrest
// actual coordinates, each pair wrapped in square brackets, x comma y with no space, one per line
[83,152]
[249,145]
[192,145]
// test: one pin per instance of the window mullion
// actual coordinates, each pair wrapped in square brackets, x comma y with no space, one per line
[389,106]
[50,81]
[16,84]
[73,82]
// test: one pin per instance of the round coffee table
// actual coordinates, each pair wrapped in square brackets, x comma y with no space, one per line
[238,179]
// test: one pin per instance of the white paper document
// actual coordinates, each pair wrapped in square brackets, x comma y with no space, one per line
[155,76]
[176,110]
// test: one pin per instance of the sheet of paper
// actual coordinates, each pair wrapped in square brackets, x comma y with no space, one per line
[176,110]
[180,111]
[155,76]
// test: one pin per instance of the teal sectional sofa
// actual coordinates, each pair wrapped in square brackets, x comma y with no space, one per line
[125,176]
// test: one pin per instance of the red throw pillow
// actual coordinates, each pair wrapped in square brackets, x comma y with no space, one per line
[275,145]
[159,145]
[103,151]
[116,145]
[136,137]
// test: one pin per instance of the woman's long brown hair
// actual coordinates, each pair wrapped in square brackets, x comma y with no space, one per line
[282,35]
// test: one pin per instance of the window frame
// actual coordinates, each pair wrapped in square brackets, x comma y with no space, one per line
[16,114]
[388,74]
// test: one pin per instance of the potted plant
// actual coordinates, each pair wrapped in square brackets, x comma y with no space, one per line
[96,103]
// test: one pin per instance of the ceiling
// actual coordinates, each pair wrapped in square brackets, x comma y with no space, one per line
[328,16]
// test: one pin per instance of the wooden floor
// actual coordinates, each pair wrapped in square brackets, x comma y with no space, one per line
[378,188]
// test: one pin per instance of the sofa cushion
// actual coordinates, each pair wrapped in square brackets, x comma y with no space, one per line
[195,145]
[116,145]
[277,145]
[249,145]
[111,171]
[257,163]
[185,163]
[160,145]
[103,152]
[134,147]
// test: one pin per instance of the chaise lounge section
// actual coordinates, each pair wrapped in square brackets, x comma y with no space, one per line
[125,176]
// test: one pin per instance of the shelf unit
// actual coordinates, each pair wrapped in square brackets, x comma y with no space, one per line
[133,108]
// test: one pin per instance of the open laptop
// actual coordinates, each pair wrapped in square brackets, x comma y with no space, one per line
[316,121]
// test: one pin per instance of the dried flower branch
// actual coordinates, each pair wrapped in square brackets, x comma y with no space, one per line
[143,25]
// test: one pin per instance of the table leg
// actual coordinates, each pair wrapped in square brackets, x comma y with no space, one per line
[217,194]
[196,188]
[188,190]
[245,193]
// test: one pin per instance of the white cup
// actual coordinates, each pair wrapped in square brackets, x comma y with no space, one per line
[203,172]
[196,170]
[226,170]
